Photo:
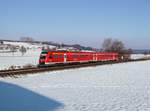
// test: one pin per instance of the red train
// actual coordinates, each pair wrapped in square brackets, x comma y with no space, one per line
[51,57]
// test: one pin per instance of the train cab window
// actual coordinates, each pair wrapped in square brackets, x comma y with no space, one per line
[42,57]
[44,52]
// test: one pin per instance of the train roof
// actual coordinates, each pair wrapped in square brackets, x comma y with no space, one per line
[64,51]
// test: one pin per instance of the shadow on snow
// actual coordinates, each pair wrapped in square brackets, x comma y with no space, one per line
[16,98]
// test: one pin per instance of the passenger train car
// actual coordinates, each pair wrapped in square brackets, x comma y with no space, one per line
[52,57]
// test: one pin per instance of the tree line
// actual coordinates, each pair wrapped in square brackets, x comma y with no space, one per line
[114,45]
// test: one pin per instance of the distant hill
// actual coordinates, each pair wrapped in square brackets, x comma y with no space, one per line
[141,51]
[77,46]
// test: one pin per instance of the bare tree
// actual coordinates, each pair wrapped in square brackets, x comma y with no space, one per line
[107,45]
[23,50]
[118,46]
[110,45]
[1,42]
[27,39]
[43,48]
[47,47]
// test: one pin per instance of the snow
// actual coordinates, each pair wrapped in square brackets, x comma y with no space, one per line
[117,87]
[138,56]
[16,59]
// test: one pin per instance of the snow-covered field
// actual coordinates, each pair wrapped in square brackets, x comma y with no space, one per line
[118,87]
[16,59]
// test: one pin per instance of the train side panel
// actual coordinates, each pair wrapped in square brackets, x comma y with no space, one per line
[65,57]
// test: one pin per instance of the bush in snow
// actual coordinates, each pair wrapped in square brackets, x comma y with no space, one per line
[13,49]
[28,66]
[23,50]
[12,67]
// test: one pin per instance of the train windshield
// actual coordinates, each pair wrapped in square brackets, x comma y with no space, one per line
[44,52]
[42,57]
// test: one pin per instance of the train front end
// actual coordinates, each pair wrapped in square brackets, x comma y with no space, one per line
[43,57]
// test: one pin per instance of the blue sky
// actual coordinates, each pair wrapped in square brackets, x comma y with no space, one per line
[87,22]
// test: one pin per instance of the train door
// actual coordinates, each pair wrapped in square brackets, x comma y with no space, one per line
[94,57]
[65,58]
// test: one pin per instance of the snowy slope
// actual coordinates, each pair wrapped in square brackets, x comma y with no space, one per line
[118,87]
[29,45]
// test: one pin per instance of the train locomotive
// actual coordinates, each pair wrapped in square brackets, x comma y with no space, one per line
[48,57]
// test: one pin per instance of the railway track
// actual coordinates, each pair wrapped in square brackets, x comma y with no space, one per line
[23,71]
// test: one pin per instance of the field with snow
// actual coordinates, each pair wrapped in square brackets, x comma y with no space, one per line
[117,87]
[16,59]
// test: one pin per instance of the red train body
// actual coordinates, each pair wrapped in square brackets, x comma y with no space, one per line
[51,57]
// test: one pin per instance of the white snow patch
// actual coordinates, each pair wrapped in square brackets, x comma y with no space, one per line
[138,56]
[28,45]
[16,59]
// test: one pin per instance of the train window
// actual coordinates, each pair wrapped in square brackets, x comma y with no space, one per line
[75,56]
[55,56]
[50,57]
[82,56]
[61,56]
